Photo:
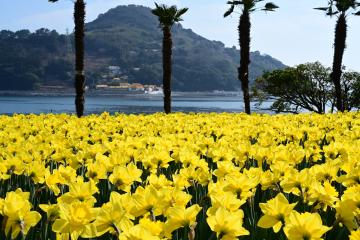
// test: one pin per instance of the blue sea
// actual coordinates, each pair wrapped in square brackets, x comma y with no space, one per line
[133,103]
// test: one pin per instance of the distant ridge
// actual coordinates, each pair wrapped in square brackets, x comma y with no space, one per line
[129,37]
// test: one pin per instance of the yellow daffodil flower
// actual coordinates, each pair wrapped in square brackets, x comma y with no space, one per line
[52,211]
[122,177]
[181,217]
[113,217]
[355,235]
[275,211]
[75,220]
[306,225]
[227,225]
[80,191]
[19,217]
[138,232]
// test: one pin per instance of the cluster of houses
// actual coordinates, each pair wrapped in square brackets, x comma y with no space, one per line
[113,81]
[133,87]
[116,81]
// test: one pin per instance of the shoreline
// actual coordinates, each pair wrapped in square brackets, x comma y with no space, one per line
[70,93]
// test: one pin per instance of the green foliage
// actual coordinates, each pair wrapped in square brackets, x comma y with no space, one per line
[350,86]
[340,6]
[130,37]
[249,5]
[168,16]
[306,87]
[27,59]
[127,36]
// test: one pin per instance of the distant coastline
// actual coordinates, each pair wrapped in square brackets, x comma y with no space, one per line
[37,103]
[71,92]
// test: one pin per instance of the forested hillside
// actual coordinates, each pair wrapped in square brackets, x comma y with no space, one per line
[129,37]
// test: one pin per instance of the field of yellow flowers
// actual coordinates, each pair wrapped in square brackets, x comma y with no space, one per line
[180,176]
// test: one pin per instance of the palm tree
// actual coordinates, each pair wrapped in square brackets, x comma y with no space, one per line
[79,19]
[248,6]
[167,16]
[341,9]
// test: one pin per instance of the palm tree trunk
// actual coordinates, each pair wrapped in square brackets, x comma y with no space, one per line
[339,48]
[167,52]
[79,19]
[243,71]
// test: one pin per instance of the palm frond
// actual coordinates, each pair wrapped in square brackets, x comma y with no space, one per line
[322,8]
[270,7]
[230,11]
[168,16]
[235,2]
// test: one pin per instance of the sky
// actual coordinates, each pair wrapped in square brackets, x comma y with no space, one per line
[294,34]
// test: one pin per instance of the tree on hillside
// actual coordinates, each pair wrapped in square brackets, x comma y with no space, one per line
[306,87]
[248,6]
[79,20]
[341,9]
[167,17]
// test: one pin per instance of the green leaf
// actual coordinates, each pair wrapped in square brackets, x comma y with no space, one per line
[330,13]
[270,7]
[182,11]
[235,2]
[322,8]
[230,11]
[179,13]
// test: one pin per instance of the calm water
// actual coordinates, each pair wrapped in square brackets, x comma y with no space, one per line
[126,104]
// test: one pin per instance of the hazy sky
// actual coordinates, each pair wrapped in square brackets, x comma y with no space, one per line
[294,34]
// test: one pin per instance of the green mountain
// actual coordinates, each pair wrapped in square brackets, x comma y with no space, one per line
[128,37]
